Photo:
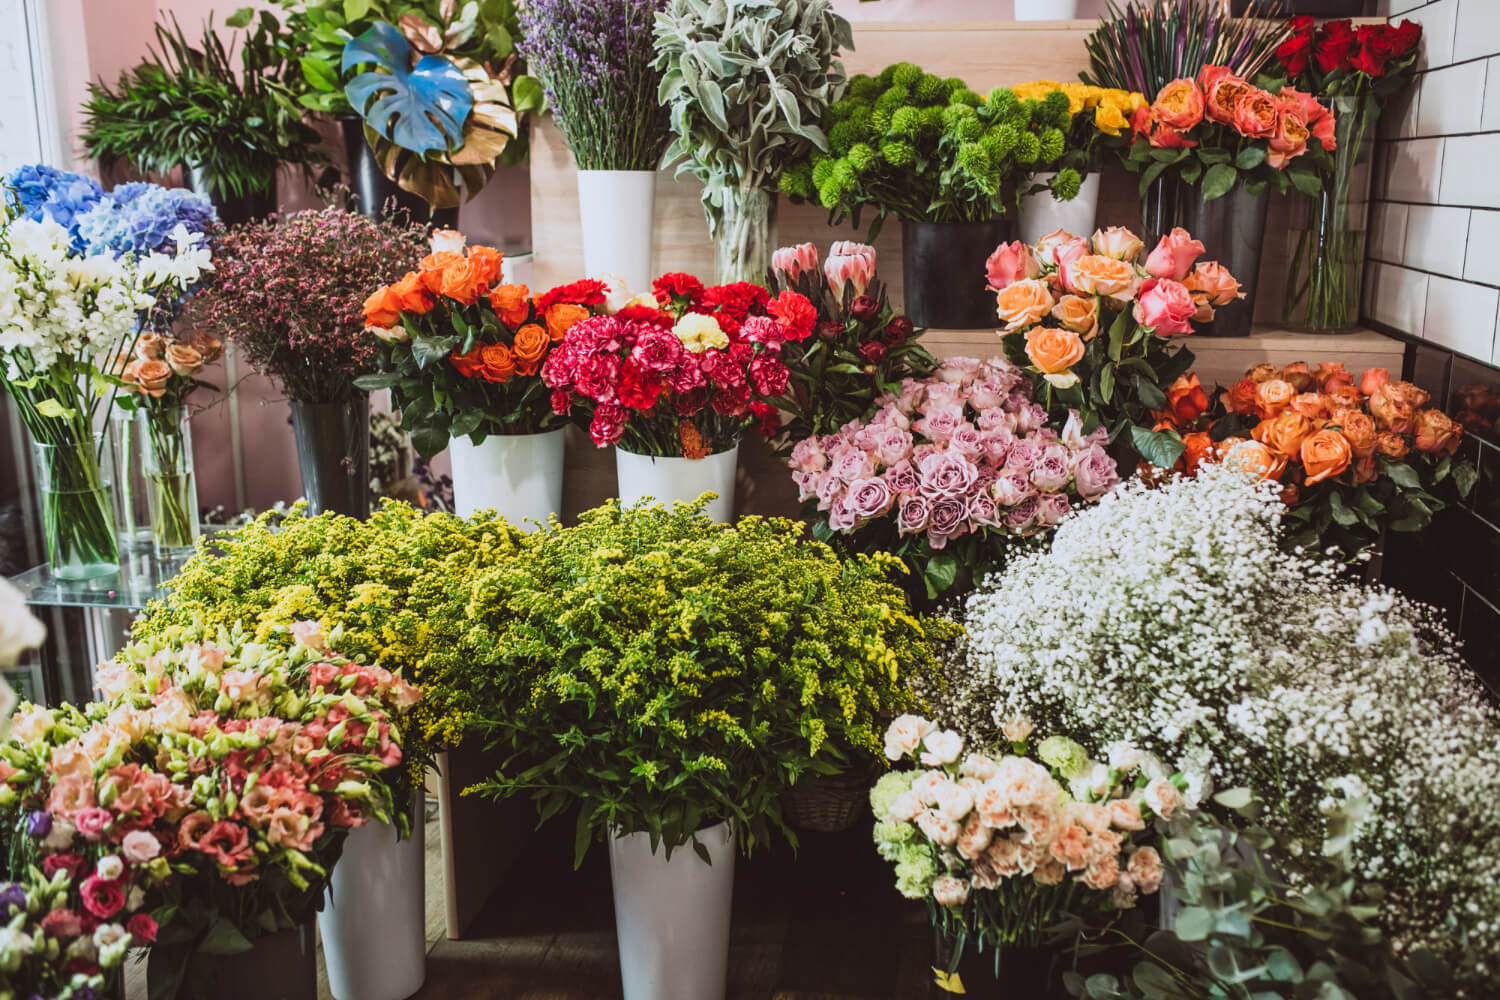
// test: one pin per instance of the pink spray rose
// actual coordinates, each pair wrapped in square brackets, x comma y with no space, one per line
[1011,262]
[1174,255]
[1166,306]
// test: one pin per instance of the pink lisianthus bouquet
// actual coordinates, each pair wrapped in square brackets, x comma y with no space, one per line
[212,785]
[1089,320]
[50,946]
[862,347]
[950,469]
[1003,846]
[682,373]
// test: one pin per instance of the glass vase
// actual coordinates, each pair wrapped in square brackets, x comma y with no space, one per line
[77,508]
[132,510]
[1327,237]
[171,489]
[744,232]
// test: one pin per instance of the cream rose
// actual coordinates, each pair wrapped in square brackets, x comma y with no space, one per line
[1023,303]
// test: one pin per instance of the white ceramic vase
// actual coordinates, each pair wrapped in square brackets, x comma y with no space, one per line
[1046,10]
[616,208]
[1042,214]
[670,480]
[672,916]
[374,920]
[519,476]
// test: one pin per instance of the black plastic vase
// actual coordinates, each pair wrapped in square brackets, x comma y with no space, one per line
[374,190]
[942,267]
[333,455]
[234,210]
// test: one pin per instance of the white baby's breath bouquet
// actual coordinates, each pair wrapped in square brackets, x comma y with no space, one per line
[1170,617]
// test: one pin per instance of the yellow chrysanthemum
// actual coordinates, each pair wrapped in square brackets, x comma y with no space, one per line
[698,333]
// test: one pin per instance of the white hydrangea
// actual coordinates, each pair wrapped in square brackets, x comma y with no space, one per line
[1170,618]
[54,305]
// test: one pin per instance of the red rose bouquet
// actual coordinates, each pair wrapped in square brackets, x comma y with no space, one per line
[1354,71]
[683,373]
[462,351]
[863,348]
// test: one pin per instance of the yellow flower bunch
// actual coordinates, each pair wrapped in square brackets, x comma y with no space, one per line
[1111,107]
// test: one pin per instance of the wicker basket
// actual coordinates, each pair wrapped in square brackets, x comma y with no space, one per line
[829,803]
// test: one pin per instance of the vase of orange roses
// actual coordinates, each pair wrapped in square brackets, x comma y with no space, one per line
[461,352]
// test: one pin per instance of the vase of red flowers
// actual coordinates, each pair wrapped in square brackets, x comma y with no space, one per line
[676,378]
[1355,71]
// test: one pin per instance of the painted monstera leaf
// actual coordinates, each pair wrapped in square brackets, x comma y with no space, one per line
[421,108]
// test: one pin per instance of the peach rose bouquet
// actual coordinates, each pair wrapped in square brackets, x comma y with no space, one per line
[462,349]
[1090,320]
[1355,456]
[1004,845]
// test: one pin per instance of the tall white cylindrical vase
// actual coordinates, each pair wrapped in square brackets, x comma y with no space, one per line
[671,480]
[1046,10]
[374,921]
[1042,214]
[616,209]
[520,476]
[672,916]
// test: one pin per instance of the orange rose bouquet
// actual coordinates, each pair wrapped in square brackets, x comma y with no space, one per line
[1090,320]
[1354,456]
[462,351]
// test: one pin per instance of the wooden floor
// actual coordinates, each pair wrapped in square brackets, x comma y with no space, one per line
[822,924]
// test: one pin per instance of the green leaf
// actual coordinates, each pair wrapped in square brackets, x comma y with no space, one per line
[1250,157]
[377,380]
[1160,448]
[1341,513]
[527,94]
[583,833]
[1194,923]
[356,9]
[1117,331]
[52,408]
[1403,475]
[320,73]
[1234,798]
[1150,393]
[1464,477]
[1107,384]
[1306,180]
[224,938]
[1218,181]
[430,350]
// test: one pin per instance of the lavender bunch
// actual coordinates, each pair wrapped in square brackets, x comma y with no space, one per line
[596,62]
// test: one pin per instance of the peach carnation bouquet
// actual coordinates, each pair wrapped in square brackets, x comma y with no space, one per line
[1001,846]
[1089,319]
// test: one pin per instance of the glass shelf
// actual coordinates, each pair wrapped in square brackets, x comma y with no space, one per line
[136,584]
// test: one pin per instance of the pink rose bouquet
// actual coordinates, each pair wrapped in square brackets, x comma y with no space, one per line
[949,470]
[1003,846]
[1089,320]
[862,347]
[681,373]
[213,784]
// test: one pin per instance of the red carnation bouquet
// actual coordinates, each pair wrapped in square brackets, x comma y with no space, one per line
[1354,70]
[683,372]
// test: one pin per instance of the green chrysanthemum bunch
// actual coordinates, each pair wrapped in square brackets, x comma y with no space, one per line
[662,673]
[395,584]
[928,149]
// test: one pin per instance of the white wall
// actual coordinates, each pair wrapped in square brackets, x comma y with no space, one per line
[22,124]
[1434,252]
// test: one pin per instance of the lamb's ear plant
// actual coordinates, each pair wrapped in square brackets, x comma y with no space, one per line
[226,110]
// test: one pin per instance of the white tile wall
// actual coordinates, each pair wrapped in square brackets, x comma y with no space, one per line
[1434,240]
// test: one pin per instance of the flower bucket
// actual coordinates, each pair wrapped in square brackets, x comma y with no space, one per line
[671,480]
[280,966]
[1046,10]
[520,476]
[1042,214]
[333,455]
[616,208]
[77,503]
[1011,973]
[942,267]
[672,915]
[374,921]
[1232,229]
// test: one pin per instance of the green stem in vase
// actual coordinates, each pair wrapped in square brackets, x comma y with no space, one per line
[170,477]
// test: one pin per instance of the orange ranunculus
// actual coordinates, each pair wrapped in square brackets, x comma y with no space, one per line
[1391,444]
[512,303]
[1186,400]
[1373,378]
[463,281]
[1197,447]
[383,307]
[469,365]
[1240,397]
[413,294]
[1283,433]
[1358,429]
[530,347]
[1022,303]
[1178,105]
[490,263]
[1261,372]
[1436,431]
[1324,454]
[432,266]
[1392,412]
[1096,274]
[1255,459]
[1331,376]
[1365,469]
[1300,376]
[561,317]
[1053,351]
[1311,405]
[499,363]
[1079,314]
[1273,396]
